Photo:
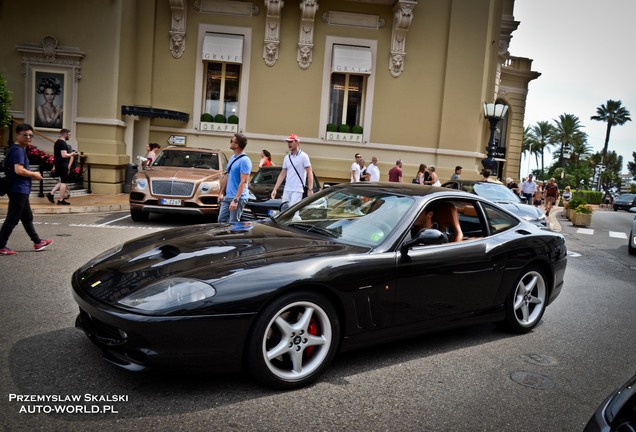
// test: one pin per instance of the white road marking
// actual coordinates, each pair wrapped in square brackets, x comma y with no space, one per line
[618,235]
[587,231]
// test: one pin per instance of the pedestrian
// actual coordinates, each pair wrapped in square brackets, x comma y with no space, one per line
[297,173]
[422,174]
[364,174]
[537,198]
[62,162]
[19,209]
[433,179]
[551,195]
[487,178]
[266,159]
[528,188]
[510,183]
[233,189]
[355,169]
[395,173]
[152,150]
[567,196]
[457,174]
[373,170]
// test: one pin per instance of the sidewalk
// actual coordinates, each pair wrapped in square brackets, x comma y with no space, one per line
[91,203]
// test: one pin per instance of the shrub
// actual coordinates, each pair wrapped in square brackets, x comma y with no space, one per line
[575,202]
[331,127]
[5,103]
[357,129]
[344,128]
[233,119]
[207,117]
[220,118]
[583,209]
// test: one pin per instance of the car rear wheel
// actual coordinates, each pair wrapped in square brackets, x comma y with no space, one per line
[138,215]
[293,341]
[526,303]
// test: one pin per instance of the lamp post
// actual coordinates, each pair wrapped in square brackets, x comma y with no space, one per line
[494,112]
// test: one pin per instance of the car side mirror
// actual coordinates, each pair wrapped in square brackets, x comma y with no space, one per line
[426,237]
[632,210]
[524,199]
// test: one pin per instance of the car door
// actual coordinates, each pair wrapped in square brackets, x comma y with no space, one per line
[447,281]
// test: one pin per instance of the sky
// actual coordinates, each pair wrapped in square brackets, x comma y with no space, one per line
[586,54]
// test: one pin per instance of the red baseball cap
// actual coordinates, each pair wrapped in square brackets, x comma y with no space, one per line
[293,137]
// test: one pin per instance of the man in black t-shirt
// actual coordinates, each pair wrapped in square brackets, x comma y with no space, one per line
[63,159]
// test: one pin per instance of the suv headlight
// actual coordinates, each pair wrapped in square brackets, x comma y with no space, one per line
[207,187]
[139,183]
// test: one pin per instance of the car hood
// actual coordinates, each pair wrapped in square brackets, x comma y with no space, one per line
[183,174]
[211,253]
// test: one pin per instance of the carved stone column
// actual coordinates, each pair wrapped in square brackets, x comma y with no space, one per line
[402,17]
[272,31]
[177,30]
[308,10]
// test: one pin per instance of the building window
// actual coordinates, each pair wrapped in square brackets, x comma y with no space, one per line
[222,59]
[347,89]
[222,88]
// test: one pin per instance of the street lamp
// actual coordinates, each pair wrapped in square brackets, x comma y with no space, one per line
[494,112]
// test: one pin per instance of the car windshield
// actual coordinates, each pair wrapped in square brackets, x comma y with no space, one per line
[266,177]
[187,159]
[627,197]
[495,192]
[359,216]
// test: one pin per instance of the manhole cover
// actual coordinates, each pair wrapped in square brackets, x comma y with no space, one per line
[539,359]
[533,380]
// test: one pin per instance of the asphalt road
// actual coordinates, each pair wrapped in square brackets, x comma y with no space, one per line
[475,379]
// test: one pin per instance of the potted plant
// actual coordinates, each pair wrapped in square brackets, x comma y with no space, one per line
[207,117]
[331,127]
[571,205]
[582,215]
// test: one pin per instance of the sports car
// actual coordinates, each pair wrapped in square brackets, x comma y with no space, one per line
[351,266]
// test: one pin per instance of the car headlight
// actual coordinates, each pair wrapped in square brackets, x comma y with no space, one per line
[169,293]
[207,187]
[250,195]
[139,183]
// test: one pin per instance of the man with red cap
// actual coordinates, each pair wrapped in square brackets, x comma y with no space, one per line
[297,172]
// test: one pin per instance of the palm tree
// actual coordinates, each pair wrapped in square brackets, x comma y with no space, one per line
[567,133]
[542,133]
[529,146]
[614,114]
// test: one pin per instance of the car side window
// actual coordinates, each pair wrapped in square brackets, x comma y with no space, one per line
[498,220]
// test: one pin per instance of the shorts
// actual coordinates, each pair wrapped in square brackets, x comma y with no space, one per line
[62,173]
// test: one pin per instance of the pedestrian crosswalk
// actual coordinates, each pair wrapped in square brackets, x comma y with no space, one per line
[612,234]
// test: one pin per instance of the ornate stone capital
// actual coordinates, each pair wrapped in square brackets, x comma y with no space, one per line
[272,31]
[402,17]
[308,10]
[177,30]
[50,53]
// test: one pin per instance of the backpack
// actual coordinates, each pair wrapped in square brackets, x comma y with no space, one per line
[5,180]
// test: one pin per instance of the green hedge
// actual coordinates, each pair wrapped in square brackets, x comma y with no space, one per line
[588,196]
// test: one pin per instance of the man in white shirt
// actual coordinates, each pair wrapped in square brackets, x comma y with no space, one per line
[355,169]
[528,188]
[296,171]
[373,171]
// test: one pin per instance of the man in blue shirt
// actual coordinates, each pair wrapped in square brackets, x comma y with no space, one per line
[233,192]
[19,209]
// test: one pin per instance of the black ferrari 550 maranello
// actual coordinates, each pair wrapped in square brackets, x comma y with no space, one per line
[351,266]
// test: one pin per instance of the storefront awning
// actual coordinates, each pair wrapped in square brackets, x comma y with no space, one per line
[143,111]
[352,59]
[227,48]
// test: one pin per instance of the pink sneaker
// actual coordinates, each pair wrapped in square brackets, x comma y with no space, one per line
[42,245]
[7,251]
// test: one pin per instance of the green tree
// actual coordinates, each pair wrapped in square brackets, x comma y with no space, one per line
[528,144]
[566,135]
[5,103]
[540,137]
[631,166]
[614,114]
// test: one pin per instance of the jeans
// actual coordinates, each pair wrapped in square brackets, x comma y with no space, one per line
[19,210]
[227,215]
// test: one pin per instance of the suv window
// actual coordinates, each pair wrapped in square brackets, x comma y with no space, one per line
[187,159]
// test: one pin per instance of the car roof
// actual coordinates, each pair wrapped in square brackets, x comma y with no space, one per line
[405,188]
[201,149]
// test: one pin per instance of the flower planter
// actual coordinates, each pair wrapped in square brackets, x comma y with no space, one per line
[581,219]
[218,127]
[344,136]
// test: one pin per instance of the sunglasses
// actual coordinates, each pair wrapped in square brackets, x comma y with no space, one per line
[27,135]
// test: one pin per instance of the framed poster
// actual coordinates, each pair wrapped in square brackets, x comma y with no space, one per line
[49,98]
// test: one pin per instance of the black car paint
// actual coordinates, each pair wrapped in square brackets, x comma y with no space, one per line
[250,264]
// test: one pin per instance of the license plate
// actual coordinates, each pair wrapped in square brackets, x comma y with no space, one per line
[170,201]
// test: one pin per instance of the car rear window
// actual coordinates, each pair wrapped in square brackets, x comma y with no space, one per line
[265,177]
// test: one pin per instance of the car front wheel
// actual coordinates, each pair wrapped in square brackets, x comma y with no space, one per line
[293,341]
[526,303]
[138,215]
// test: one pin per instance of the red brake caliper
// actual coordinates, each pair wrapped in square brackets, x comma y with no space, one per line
[313,330]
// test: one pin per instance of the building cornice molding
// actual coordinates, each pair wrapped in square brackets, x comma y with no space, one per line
[49,53]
